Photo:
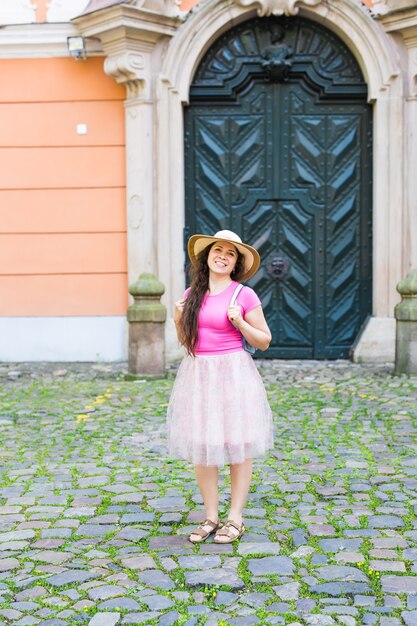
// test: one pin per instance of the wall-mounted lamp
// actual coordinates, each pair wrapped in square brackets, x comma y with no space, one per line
[76,47]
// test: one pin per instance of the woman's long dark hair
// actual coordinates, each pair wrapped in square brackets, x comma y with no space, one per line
[199,275]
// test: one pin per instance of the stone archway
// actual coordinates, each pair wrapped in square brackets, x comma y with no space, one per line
[376,56]
[278,146]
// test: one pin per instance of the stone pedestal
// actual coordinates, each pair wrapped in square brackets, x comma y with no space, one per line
[406,335]
[146,317]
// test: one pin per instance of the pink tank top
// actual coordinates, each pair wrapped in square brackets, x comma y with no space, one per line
[216,334]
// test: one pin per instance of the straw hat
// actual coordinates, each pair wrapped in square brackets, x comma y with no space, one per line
[251,262]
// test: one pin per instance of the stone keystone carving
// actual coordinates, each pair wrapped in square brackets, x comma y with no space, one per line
[277,7]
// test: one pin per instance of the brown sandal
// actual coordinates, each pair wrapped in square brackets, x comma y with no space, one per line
[226,531]
[202,533]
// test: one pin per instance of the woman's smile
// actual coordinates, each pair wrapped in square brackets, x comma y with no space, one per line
[222,258]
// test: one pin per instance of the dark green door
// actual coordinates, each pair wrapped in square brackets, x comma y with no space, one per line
[278,149]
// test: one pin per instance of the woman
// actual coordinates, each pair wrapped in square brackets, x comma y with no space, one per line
[218,412]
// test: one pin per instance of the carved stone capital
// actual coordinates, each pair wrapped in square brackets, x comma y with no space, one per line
[277,7]
[128,67]
[131,35]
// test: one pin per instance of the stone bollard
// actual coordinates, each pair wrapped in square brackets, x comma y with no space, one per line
[406,334]
[146,317]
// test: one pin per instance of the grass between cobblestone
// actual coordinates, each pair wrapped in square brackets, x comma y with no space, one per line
[82,450]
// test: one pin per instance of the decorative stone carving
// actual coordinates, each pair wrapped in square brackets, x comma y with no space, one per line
[64,10]
[131,35]
[165,7]
[128,68]
[277,7]
[17,12]
[277,56]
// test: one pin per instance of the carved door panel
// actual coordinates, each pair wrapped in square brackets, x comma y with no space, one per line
[278,149]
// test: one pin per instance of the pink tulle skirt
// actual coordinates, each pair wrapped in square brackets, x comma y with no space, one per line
[218,412]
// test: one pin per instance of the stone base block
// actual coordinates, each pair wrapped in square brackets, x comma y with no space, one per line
[146,349]
[376,343]
[406,347]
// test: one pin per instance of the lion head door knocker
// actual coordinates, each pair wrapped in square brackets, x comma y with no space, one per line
[277,63]
[278,267]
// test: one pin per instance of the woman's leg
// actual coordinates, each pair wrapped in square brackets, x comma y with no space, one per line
[207,479]
[240,478]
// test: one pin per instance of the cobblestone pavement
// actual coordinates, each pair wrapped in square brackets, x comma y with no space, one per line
[95,517]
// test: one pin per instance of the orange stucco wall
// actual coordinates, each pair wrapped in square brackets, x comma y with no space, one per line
[62,195]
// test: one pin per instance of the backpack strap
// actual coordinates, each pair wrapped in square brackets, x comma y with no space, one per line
[235,294]
[246,345]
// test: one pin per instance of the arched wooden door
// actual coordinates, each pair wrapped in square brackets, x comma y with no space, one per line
[278,148]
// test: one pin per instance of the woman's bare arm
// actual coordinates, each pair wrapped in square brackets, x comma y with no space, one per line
[254,327]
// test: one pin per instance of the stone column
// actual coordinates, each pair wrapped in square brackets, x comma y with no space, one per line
[133,68]
[400,20]
[406,316]
[146,317]
[410,239]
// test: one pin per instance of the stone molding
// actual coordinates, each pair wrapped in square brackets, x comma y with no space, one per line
[401,21]
[276,7]
[406,25]
[121,22]
[366,38]
[404,21]
[130,38]
[37,41]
